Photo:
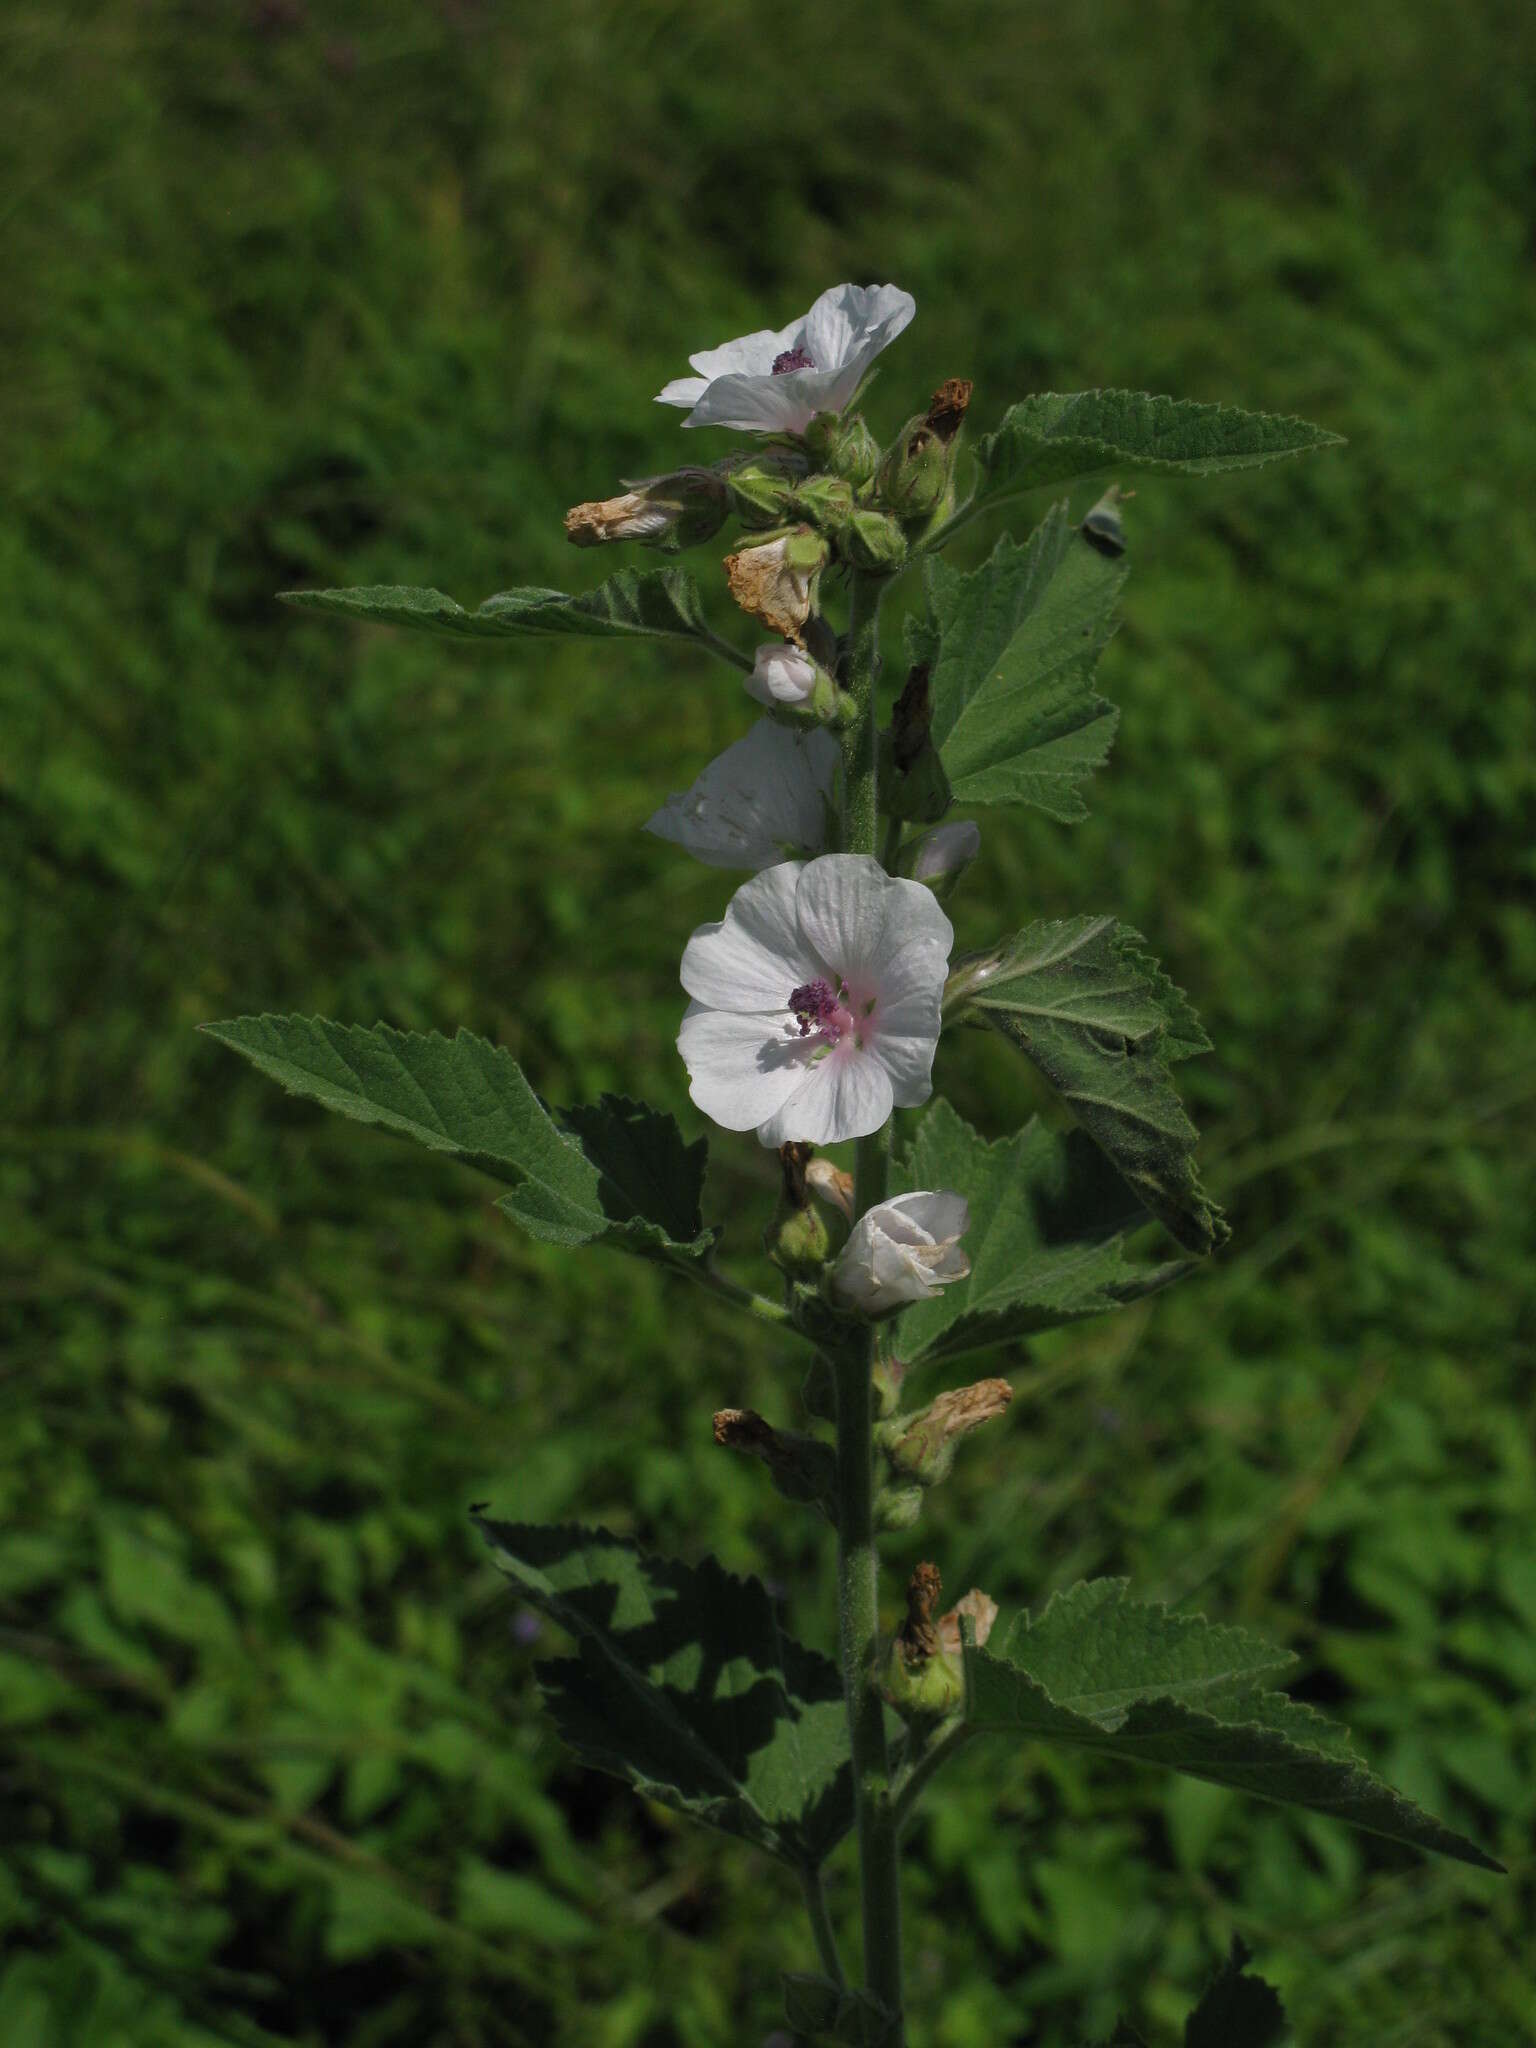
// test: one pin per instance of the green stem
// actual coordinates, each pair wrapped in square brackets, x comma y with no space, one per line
[714,1282]
[859,1644]
[716,645]
[821,1925]
[912,1781]
[860,673]
[857,1557]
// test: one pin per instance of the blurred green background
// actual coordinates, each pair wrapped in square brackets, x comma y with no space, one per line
[303,294]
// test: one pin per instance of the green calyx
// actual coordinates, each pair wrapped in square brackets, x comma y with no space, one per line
[872,541]
[845,447]
[761,491]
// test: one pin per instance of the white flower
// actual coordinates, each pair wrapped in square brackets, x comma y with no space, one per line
[815,1001]
[776,382]
[903,1250]
[781,674]
[765,798]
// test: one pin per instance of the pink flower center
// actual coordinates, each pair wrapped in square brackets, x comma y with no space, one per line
[794,358]
[830,1014]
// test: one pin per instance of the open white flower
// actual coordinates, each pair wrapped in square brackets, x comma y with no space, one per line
[903,1250]
[767,798]
[815,1001]
[781,674]
[777,380]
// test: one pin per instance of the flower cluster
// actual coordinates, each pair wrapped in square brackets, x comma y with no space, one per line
[816,999]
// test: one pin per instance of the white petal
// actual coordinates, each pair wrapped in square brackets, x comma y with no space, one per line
[946,849]
[754,404]
[754,957]
[682,391]
[781,674]
[909,1062]
[938,1213]
[845,1095]
[913,913]
[740,1069]
[844,321]
[841,904]
[752,355]
[765,798]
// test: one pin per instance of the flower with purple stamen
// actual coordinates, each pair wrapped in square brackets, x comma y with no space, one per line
[816,1001]
[777,380]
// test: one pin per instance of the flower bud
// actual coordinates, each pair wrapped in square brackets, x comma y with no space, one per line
[678,510]
[834,1186]
[871,540]
[781,674]
[902,1251]
[942,856]
[897,1507]
[922,1447]
[796,1238]
[760,491]
[914,476]
[824,500]
[923,1682]
[1102,526]
[775,581]
[846,447]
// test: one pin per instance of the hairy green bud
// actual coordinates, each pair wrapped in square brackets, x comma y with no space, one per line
[846,447]
[825,501]
[760,492]
[872,540]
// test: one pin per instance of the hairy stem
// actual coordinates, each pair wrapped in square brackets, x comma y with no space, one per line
[857,1557]
[758,1306]
[912,1781]
[821,1925]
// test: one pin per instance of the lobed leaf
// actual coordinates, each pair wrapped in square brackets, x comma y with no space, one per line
[644,601]
[1055,436]
[1049,1218]
[1012,648]
[1103,1673]
[1102,1022]
[685,1685]
[616,1172]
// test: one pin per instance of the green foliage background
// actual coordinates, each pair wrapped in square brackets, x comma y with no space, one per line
[369,294]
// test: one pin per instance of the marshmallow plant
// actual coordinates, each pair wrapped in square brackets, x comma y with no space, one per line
[818,1006]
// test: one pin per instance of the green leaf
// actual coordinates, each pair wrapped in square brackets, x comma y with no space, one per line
[614,1173]
[1236,2010]
[1106,1674]
[686,1685]
[645,601]
[1046,1240]
[1055,436]
[1012,648]
[1102,1022]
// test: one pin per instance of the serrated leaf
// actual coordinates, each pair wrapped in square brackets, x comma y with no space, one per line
[1049,1218]
[685,1685]
[1236,2010]
[1102,1022]
[615,1172]
[1012,648]
[643,601]
[1054,436]
[1102,1673]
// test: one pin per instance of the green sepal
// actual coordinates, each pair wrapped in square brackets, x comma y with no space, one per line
[873,541]
[611,1172]
[686,1685]
[1054,437]
[658,602]
[1101,1672]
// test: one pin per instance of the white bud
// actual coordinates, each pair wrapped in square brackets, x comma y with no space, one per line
[781,674]
[945,851]
[903,1250]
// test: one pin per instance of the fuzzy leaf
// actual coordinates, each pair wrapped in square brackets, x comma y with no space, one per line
[1054,436]
[1106,1674]
[644,601]
[616,1172]
[1102,1022]
[685,1684]
[1012,648]
[1046,1240]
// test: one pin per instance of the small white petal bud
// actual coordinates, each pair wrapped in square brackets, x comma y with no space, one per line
[902,1251]
[781,674]
[946,852]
